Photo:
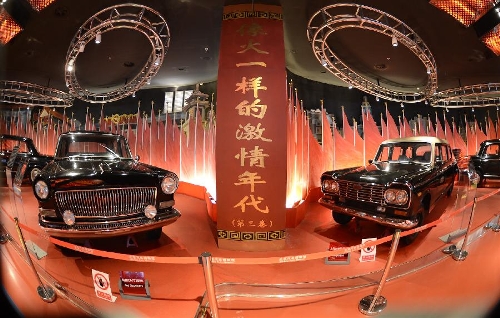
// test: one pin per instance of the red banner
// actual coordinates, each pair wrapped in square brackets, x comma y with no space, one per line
[251,111]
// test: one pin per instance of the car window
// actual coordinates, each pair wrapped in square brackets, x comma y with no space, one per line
[9,144]
[492,149]
[442,152]
[100,146]
[405,152]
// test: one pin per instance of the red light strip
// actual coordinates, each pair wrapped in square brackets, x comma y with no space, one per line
[464,11]
[39,5]
[8,27]
[492,40]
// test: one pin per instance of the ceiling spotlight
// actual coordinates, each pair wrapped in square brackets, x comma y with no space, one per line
[402,105]
[323,62]
[428,70]
[394,40]
[81,48]
[425,102]
[377,99]
[133,94]
[350,86]
[98,38]
[447,110]
[472,109]
[70,66]
[497,108]
[157,61]
[149,81]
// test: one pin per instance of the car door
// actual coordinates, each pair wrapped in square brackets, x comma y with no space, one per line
[442,164]
[491,160]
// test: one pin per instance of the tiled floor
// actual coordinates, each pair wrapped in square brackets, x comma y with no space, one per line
[448,288]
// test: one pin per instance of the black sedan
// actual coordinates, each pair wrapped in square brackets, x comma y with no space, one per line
[397,189]
[26,150]
[94,188]
[487,160]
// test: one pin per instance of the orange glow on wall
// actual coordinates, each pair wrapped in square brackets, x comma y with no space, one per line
[39,5]
[492,40]
[8,27]
[464,11]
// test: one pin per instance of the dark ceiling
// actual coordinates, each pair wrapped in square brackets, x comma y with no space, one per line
[37,55]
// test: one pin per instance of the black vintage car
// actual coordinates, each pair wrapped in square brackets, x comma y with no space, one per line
[94,188]
[25,149]
[397,189]
[487,160]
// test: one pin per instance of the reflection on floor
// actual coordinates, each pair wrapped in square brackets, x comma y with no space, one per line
[468,288]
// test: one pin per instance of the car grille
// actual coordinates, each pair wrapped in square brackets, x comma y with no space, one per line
[106,202]
[360,191]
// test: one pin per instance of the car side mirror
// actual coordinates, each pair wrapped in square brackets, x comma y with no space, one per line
[370,161]
[137,158]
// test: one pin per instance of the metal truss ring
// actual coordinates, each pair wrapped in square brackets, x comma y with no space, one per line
[13,92]
[341,16]
[124,16]
[478,95]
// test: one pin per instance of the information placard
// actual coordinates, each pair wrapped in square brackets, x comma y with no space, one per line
[133,285]
[339,258]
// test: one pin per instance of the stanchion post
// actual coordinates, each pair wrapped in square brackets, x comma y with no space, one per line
[45,292]
[461,254]
[373,304]
[206,258]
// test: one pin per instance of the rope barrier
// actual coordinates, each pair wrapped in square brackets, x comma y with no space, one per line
[240,260]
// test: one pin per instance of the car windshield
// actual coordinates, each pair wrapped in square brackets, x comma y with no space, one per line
[404,152]
[109,146]
[7,145]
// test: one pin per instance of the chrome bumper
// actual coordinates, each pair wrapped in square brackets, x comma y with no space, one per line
[108,228]
[380,219]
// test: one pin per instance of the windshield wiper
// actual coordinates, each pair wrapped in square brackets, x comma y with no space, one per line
[111,151]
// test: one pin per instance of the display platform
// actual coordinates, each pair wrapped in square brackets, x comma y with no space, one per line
[245,289]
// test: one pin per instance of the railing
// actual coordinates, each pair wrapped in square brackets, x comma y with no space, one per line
[217,293]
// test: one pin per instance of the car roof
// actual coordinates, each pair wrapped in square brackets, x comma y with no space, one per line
[491,141]
[14,137]
[428,139]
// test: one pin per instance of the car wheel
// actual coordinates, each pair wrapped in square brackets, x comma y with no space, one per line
[408,239]
[341,218]
[481,179]
[154,234]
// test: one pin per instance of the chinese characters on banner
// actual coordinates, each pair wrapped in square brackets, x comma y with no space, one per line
[251,120]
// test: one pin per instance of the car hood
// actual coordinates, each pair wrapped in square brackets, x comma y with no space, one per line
[382,173]
[100,168]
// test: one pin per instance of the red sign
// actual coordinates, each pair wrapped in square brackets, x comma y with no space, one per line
[251,123]
[133,283]
[339,257]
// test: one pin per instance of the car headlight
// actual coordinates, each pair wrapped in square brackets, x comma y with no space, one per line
[69,217]
[169,184]
[396,196]
[41,190]
[150,211]
[330,186]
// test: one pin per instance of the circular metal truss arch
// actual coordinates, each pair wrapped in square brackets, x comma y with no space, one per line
[478,95]
[340,16]
[129,16]
[31,95]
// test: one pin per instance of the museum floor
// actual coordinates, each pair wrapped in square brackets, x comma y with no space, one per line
[445,288]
